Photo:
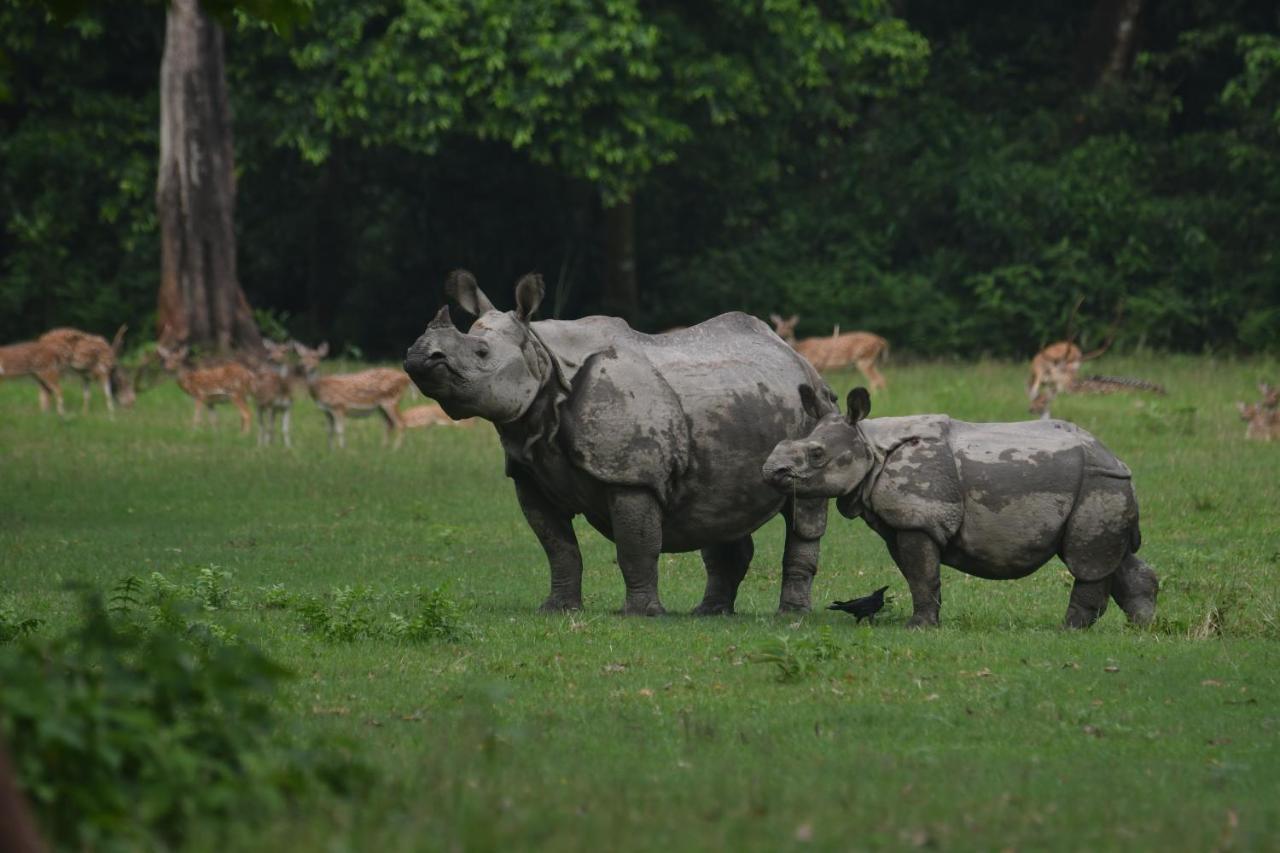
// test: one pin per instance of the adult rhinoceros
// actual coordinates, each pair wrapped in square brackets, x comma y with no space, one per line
[993,500]
[657,439]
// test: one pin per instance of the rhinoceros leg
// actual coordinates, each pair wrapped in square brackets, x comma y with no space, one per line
[1088,602]
[917,558]
[727,564]
[1134,588]
[554,530]
[636,519]
[806,522]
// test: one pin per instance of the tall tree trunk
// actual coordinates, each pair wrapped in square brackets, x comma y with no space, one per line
[1110,44]
[200,299]
[621,293]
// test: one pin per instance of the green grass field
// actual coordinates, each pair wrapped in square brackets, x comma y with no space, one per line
[593,731]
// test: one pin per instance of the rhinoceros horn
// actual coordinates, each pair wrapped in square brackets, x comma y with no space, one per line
[442,320]
[461,287]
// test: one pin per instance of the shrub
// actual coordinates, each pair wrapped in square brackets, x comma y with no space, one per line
[13,626]
[124,730]
[349,613]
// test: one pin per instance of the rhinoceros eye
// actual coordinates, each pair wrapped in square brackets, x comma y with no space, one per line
[482,351]
[816,455]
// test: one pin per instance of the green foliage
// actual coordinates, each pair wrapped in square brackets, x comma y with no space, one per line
[797,657]
[12,625]
[124,730]
[985,207]
[942,178]
[997,726]
[348,614]
[604,94]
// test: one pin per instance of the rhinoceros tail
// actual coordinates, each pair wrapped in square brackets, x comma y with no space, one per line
[1135,538]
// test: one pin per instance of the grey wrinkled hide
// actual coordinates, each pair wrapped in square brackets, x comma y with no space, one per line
[656,439]
[994,500]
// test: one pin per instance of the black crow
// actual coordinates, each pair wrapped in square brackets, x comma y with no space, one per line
[864,608]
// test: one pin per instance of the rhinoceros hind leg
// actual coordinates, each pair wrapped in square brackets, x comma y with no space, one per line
[727,564]
[1134,588]
[917,558]
[637,531]
[1088,602]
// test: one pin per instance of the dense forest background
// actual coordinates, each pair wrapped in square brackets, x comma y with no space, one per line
[953,176]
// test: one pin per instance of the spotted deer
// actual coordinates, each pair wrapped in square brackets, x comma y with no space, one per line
[273,392]
[862,349]
[1056,370]
[92,358]
[340,395]
[429,415]
[1263,418]
[40,362]
[231,382]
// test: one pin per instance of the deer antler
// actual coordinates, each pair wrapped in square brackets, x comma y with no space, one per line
[1071,321]
[1111,334]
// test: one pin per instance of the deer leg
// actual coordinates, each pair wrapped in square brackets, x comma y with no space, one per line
[636,519]
[50,385]
[554,529]
[264,437]
[106,393]
[284,428]
[395,428]
[340,427]
[196,416]
[245,415]
[84,395]
[868,368]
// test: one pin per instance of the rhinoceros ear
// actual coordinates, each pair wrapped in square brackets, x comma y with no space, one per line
[442,320]
[809,402]
[461,287]
[859,405]
[529,292]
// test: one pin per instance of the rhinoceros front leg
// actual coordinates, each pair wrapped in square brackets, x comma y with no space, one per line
[917,558]
[636,519]
[727,564]
[806,522]
[554,530]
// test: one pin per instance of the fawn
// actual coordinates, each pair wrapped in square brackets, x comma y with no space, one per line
[92,358]
[209,386]
[40,362]
[273,392]
[377,389]
[1264,417]
[862,349]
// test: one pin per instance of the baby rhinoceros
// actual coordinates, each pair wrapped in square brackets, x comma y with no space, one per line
[993,500]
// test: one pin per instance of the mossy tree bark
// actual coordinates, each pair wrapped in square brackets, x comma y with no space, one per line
[200,299]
